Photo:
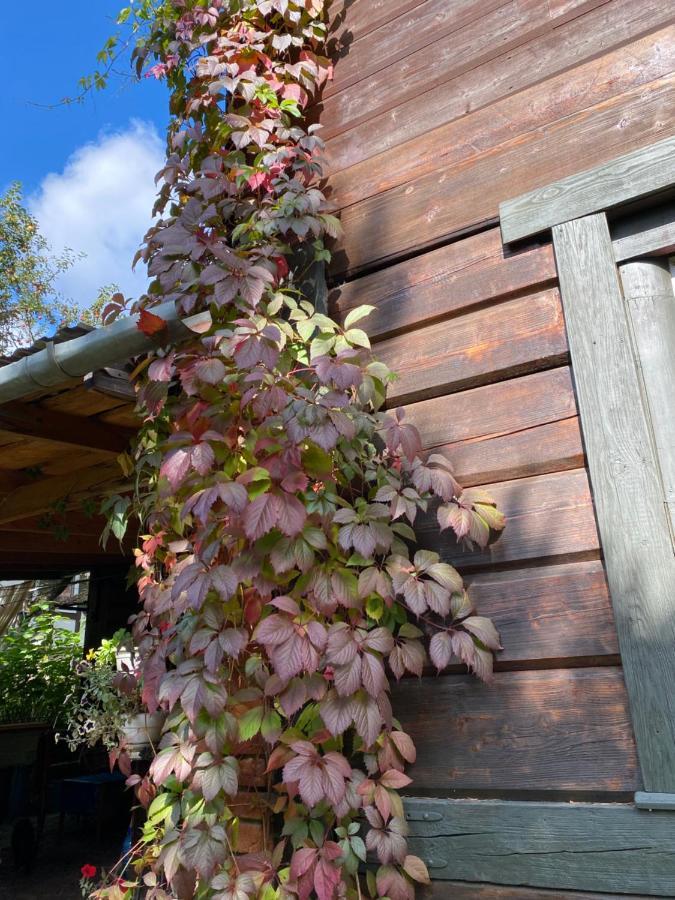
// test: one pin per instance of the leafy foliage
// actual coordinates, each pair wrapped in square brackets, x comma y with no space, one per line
[101,698]
[30,304]
[37,657]
[276,498]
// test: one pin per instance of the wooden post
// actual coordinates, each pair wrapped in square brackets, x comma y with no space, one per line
[648,291]
[626,485]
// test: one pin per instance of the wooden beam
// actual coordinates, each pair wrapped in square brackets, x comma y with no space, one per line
[11,479]
[650,232]
[46,543]
[42,495]
[585,846]
[626,485]
[35,421]
[625,178]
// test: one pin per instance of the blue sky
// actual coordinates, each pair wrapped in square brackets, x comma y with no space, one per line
[87,169]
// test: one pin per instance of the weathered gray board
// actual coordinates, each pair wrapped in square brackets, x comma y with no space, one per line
[627,488]
[648,292]
[613,848]
[623,179]
[652,231]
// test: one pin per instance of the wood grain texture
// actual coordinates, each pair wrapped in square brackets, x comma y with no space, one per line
[353,19]
[548,516]
[31,420]
[464,890]
[627,490]
[568,46]
[484,33]
[561,730]
[444,283]
[612,848]
[536,451]
[41,494]
[634,175]
[548,613]
[488,345]
[475,132]
[495,410]
[439,205]
[644,234]
[648,292]
[400,36]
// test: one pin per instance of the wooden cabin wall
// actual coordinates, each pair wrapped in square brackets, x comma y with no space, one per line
[440,110]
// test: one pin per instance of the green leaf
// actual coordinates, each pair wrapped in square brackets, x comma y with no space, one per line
[357,337]
[322,345]
[317,462]
[250,722]
[355,315]
[375,607]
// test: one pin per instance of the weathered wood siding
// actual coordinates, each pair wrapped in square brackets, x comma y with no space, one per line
[440,110]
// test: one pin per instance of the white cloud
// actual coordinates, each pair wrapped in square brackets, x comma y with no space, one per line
[101,204]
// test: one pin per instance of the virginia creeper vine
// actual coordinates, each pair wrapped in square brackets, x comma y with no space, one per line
[276,498]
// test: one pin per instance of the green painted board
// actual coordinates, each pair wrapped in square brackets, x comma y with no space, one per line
[603,847]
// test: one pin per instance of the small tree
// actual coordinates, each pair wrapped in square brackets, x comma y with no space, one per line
[30,304]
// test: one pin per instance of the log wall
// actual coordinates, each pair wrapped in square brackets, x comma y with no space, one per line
[439,111]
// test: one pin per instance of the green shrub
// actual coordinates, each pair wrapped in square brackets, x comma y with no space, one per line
[37,672]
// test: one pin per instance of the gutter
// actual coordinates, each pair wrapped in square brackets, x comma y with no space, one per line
[66,363]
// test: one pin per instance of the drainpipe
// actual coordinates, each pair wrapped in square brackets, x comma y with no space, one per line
[66,363]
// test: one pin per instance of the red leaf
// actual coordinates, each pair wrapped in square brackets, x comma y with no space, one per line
[149,323]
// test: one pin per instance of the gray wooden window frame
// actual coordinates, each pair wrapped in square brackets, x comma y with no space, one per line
[623,396]
[617,848]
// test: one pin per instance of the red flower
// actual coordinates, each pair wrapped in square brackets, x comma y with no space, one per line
[88,871]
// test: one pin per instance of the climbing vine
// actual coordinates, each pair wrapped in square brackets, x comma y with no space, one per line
[277,566]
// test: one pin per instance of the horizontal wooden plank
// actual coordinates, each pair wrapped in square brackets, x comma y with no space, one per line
[444,282]
[351,20]
[45,542]
[549,613]
[488,345]
[536,451]
[560,730]
[479,131]
[568,46]
[466,890]
[646,233]
[37,455]
[32,420]
[629,177]
[607,847]
[494,410]
[511,24]
[436,206]
[548,516]
[40,495]
[26,565]
[398,37]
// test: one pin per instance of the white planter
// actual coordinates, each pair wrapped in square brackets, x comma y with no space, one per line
[126,659]
[142,730]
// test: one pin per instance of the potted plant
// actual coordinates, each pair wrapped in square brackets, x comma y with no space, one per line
[106,706]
